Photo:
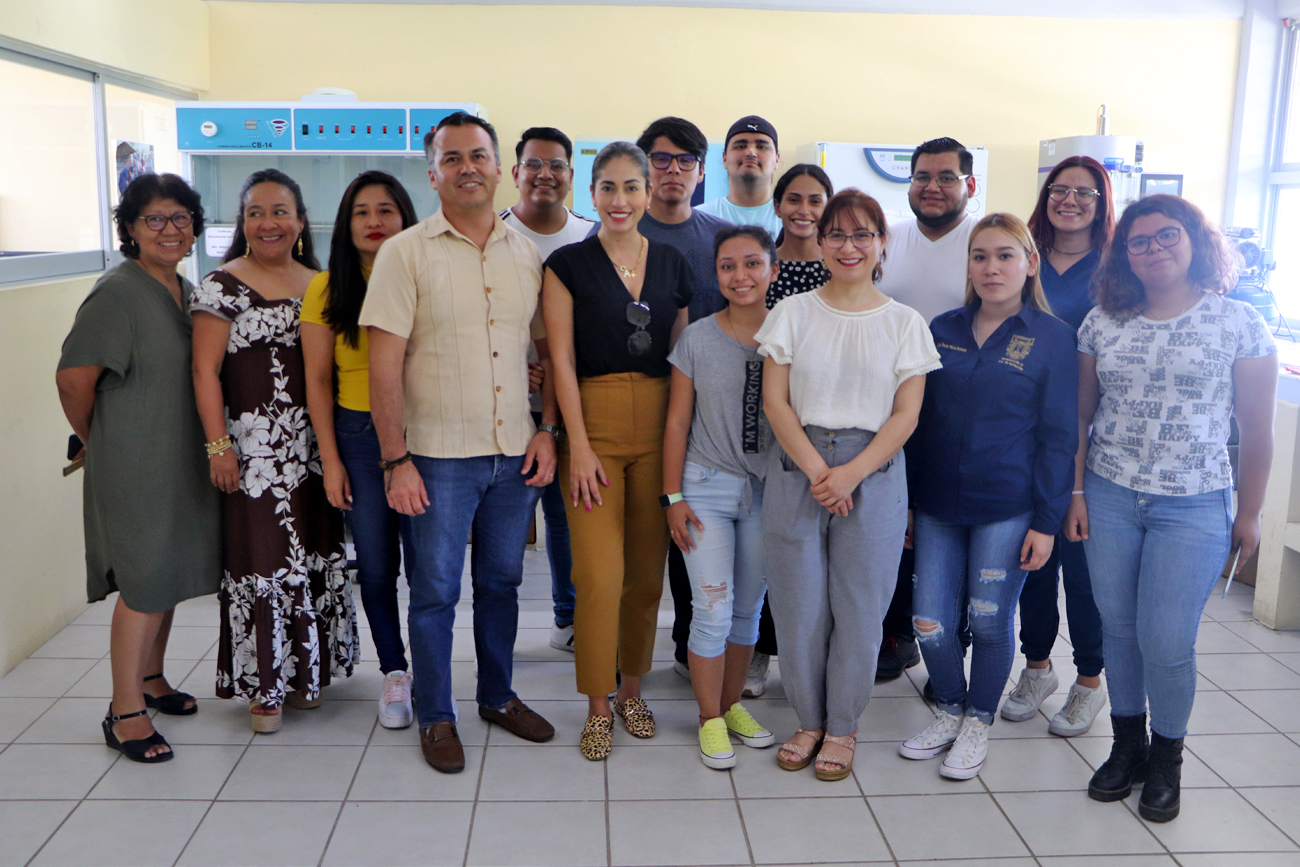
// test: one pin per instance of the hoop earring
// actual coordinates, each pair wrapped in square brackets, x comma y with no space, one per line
[300,245]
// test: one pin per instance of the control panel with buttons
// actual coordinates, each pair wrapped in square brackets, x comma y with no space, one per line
[345,129]
[311,126]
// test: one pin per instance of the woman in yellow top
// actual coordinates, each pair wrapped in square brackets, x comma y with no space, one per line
[374,207]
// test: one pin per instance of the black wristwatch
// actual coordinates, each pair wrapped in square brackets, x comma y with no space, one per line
[550,429]
[667,500]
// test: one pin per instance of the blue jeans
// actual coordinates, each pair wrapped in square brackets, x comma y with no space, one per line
[1154,560]
[1040,618]
[558,551]
[486,494]
[376,534]
[954,562]
[728,581]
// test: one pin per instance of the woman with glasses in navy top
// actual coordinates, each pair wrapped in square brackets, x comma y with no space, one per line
[990,469]
[614,305]
[1071,225]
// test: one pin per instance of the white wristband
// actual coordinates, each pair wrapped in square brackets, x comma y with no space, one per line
[1076,493]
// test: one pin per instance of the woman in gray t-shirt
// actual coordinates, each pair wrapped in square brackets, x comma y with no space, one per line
[714,449]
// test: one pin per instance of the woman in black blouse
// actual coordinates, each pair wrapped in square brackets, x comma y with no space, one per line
[614,305]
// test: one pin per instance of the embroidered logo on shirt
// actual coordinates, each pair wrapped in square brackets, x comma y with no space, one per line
[1017,350]
[941,345]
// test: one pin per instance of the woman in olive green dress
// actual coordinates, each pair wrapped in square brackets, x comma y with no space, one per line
[152,519]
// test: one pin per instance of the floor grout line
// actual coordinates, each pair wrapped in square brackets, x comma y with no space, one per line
[478,788]
[346,795]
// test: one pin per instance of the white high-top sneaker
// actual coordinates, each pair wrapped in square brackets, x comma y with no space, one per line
[967,755]
[936,738]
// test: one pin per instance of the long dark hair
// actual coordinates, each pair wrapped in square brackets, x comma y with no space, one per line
[239,244]
[1103,221]
[1213,268]
[347,286]
[817,173]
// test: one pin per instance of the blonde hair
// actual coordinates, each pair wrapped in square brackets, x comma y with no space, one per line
[1032,292]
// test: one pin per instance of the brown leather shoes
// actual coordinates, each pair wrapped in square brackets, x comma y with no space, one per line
[518,719]
[441,747]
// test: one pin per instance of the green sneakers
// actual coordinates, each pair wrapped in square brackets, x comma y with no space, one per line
[741,724]
[715,746]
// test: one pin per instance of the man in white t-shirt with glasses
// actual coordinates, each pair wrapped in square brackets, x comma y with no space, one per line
[543,174]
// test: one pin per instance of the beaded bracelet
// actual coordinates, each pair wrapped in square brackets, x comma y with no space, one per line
[397,462]
[216,447]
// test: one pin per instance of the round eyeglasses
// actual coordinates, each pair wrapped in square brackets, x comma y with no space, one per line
[662,160]
[1082,195]
[533,165]
[158,222]
[861,239]
[1167,237]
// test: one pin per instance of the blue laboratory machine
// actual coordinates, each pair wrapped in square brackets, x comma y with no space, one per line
[322,144]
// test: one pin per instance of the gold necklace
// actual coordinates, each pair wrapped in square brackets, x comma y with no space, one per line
[630,273]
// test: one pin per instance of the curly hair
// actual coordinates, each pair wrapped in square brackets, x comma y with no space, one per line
[1214,262]
[144,191]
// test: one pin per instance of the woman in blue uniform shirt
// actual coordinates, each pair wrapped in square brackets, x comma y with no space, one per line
[991,465]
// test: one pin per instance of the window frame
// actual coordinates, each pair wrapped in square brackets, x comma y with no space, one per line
[17,271]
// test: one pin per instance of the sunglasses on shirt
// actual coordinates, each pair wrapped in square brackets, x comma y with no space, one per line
[638,314]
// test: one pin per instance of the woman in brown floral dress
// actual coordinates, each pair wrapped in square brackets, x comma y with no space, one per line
[288,625]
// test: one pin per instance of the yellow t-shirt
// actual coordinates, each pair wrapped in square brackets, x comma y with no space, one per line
[353,365]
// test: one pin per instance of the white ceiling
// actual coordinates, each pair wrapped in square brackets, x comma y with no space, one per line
[1143,9]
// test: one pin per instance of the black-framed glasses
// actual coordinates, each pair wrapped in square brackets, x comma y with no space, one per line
[638,314]
[158,222]
[1082,195]
[533,165]
[944,179]
[861,239]
[663,160]
[1167,237]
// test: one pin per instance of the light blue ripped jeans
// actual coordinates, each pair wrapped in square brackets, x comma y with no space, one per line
[980,562]
[726,566]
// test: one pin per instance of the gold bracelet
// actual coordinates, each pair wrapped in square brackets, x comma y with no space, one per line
[218,446]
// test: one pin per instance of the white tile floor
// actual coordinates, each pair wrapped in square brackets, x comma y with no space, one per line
[333,788]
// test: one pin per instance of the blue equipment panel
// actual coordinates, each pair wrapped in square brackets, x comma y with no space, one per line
[349,129]
[252,128]
[425,119]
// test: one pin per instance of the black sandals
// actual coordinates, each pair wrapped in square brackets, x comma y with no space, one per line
[135,750]
[172,704]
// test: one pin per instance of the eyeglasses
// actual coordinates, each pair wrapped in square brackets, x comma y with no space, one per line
[662,160]
[533,165]
[158,222]
[945,179]
[835,240]
[638,314]
[1167,237]
[1082,195]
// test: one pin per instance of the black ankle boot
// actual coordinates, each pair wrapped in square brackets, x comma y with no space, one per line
[1164,773]
[1127,763]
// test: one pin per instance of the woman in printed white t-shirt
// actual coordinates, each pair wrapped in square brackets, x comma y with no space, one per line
[843,382]
[1165,362]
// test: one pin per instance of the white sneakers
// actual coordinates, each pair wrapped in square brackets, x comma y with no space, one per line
[967,755]
[966,740]
[756,680]
[938,737]
[395,703]
[1081,709]
[562,637]
[1032,690]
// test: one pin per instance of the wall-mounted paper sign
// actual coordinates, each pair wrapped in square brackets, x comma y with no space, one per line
[216,240]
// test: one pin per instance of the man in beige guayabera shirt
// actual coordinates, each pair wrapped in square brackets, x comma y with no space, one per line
[451,306]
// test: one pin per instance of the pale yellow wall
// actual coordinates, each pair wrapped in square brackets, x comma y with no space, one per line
[162,39]
[42,553]
[42,561]
[1004,83]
